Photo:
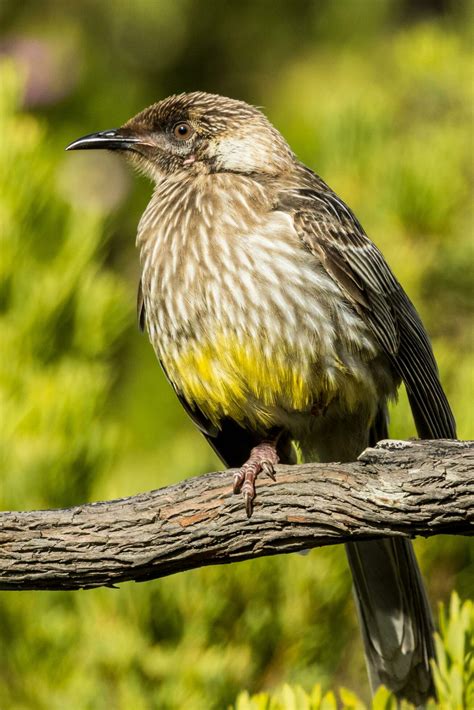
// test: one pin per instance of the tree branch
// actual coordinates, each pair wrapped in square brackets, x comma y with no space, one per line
[404,488]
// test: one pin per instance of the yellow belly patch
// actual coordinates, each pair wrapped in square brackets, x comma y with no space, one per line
[248,380]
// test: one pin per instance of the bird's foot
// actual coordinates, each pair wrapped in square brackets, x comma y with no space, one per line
[263,459]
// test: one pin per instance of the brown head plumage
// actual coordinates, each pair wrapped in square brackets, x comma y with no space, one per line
[197,132]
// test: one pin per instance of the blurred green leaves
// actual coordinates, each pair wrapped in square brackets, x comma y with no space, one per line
[453,673]
[62,315]
[454,669]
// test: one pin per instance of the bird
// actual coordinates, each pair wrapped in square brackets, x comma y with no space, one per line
[282,330]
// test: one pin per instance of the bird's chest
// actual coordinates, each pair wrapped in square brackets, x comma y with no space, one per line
[242,318]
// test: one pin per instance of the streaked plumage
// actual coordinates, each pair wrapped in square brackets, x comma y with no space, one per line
[276,319]
[262,366]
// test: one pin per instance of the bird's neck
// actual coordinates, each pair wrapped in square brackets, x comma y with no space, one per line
[193,223]
[185,203]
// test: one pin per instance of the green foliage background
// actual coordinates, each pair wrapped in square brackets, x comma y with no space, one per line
[376,96]
[453,673]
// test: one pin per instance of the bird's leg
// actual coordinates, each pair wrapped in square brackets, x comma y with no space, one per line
[263,458]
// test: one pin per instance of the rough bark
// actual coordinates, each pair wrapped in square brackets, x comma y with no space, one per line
[404,488]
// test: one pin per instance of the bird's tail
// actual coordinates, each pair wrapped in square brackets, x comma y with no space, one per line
[394,615]
[393,609]
[392,606]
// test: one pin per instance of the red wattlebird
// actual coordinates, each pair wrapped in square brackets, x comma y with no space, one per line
[278,321]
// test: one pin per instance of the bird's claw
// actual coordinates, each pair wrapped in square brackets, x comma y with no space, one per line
[263,458]
[248,498]
[268,468]
[238,480]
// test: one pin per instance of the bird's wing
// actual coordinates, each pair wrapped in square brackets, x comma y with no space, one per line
[231,442]
[330,231]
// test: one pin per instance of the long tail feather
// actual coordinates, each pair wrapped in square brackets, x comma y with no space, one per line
[393,609]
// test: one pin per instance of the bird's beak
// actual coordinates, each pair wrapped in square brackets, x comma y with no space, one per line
[114,139]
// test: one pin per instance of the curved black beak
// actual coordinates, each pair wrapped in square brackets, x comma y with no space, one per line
[114,139]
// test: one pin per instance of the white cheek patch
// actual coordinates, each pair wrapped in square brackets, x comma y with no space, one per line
[243,154]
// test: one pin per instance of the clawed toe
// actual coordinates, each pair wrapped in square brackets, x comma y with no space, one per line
[239,478]
[248,493]
[268,468]
[263,458]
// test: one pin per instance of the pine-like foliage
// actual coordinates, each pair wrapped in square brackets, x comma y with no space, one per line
[61,315]
[453,672]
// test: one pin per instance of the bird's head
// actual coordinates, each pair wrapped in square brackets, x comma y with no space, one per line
[196,132]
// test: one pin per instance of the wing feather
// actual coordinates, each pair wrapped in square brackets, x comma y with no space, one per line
[330,231]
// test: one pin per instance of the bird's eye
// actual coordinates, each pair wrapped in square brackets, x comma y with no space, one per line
[183,131]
